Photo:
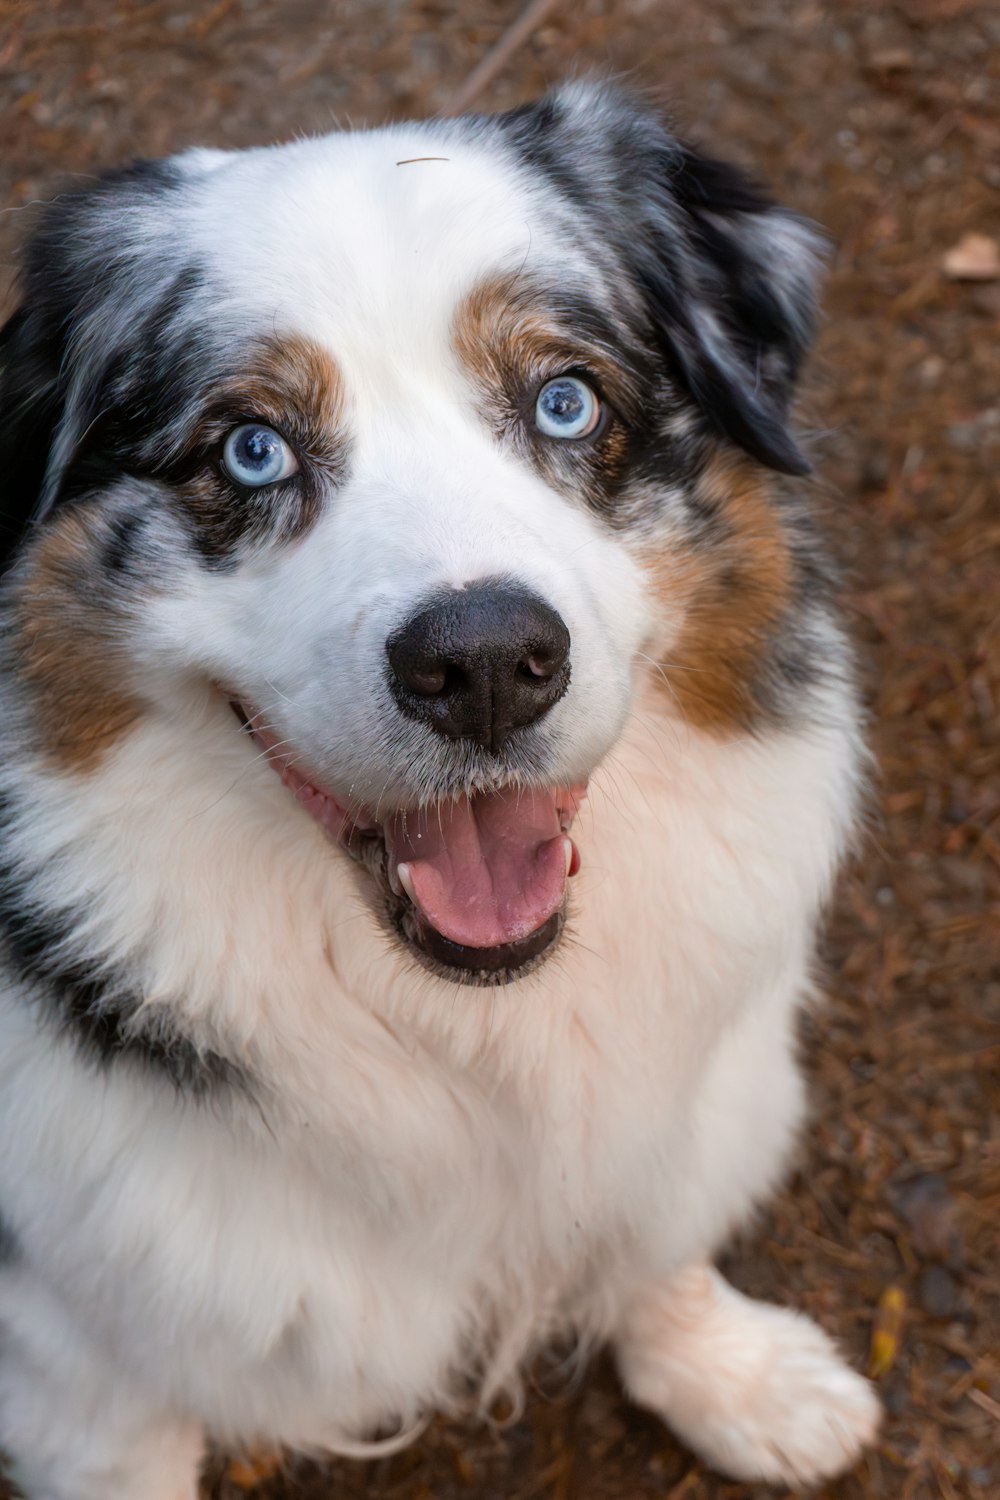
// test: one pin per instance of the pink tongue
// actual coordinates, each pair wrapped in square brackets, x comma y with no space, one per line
[485,870]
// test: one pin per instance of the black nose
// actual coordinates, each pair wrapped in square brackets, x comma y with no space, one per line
[480,662]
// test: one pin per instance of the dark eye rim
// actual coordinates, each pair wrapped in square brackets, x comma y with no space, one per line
[605,413]
[274,486]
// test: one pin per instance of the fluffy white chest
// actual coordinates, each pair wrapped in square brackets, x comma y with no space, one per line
[430,1172]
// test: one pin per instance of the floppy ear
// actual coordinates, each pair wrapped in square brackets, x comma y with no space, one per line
[730,280]
[726,280]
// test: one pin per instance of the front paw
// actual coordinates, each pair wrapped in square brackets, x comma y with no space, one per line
[759,1392]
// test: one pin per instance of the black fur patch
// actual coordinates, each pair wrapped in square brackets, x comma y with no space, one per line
[140,388]
[62,286]
[534,131]
[93,1005]
[122,535]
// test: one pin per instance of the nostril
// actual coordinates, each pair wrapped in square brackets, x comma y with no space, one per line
[539,667]
[420,666]
[428,682]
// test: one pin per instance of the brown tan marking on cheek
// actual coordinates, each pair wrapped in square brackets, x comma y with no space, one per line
[730,596]
[69,649]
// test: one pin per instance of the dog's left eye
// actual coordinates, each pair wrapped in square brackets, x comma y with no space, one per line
[567,408]
[254,455]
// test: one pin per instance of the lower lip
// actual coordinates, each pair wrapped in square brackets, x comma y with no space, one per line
[490,962]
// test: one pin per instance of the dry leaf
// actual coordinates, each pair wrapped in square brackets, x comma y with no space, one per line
[976,257]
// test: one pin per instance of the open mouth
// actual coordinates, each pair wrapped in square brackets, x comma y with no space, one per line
[474,885]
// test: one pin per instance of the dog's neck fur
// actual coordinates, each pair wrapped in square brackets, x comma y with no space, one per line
[206,884]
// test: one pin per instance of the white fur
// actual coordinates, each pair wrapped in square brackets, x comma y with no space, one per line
[759,1390]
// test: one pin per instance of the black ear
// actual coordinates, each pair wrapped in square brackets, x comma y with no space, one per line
[725,278]
[730,282]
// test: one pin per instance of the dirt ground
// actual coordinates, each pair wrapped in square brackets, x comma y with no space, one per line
[882,121]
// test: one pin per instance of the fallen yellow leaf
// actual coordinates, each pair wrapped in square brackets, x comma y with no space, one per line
[887,1331]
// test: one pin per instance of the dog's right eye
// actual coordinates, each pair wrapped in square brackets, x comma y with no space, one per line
[255,455]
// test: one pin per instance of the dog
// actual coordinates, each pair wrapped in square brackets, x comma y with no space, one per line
[428,742]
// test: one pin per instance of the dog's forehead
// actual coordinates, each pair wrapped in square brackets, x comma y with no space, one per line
[369,234]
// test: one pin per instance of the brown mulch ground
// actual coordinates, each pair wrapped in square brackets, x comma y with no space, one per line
[883,122]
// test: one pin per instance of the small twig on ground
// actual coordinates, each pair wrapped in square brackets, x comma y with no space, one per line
[986,1402]
[484,72]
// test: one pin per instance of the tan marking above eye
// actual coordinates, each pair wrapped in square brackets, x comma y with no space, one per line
[293,385]
[508,340]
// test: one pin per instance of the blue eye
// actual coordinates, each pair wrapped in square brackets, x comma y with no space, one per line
[566,408]
[255,455]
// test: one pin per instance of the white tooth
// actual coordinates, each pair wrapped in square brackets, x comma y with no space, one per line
[405,880]
[568,852]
